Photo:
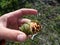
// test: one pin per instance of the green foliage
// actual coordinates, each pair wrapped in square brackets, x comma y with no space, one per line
[48,16]
[11,5]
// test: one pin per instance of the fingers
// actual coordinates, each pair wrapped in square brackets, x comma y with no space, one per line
[14,35]
[21,12]
[26,11]
[22,21]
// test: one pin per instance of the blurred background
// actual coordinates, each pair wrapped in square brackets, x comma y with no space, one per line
[48,16]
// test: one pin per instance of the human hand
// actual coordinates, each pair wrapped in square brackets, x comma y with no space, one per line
[10,22]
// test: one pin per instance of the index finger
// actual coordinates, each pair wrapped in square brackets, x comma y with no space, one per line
[28,11]
[25,11]
[21,12]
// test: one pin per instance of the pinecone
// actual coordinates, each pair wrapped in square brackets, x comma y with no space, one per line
[31,28]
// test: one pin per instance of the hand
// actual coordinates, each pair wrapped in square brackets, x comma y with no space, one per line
[10,22]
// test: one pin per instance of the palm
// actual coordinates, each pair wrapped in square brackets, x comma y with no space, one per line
[14,17]
[12,23]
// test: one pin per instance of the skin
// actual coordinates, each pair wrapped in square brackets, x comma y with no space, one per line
[10,22]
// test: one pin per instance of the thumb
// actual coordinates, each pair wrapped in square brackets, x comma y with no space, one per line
[14,35]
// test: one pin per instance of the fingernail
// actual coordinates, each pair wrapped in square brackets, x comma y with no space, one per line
[20,37]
